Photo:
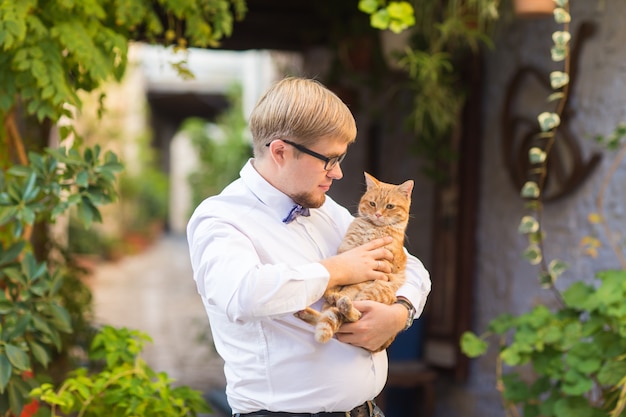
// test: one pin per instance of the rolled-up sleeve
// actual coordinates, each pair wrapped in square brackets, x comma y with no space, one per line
[417,286]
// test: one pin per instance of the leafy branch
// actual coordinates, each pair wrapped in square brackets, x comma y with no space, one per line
[124,385]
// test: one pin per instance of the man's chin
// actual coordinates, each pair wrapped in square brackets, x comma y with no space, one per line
[320,202]
[310,201]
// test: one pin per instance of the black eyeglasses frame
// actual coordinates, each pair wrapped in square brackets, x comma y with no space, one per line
[327,161]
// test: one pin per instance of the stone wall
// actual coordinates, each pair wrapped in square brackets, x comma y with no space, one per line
[504,281]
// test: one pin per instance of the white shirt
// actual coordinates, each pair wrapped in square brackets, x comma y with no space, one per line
[253,272]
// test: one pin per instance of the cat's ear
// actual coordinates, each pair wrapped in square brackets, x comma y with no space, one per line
[370,181]
[406,187]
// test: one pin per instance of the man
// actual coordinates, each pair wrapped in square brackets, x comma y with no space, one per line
[266,248]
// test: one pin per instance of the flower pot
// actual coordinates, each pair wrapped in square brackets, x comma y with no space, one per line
[533,8]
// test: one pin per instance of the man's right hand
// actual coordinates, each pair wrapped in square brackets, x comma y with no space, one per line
[363,263]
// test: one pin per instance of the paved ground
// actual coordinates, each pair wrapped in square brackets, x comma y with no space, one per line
[155,292]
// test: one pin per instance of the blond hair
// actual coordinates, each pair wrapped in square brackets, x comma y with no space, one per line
[301,109]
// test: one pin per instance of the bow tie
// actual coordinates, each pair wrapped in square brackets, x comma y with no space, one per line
[296,211]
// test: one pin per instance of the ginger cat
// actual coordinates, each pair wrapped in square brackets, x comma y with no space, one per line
[383,211]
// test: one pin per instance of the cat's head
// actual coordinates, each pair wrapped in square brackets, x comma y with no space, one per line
[385,204]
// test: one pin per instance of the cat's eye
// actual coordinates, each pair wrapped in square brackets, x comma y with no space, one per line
[390,206]
[373,203]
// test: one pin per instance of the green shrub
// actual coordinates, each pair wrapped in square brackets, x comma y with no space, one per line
[124,386]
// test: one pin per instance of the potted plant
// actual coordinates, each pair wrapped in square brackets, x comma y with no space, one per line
[566,359]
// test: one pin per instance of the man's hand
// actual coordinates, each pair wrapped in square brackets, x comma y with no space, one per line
[379,323]
[363,263]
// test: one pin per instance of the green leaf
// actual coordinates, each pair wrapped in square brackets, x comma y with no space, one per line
[546,279]
[17,357]
[20,170]
[612,372]
[533,254]
[502,323]
[578,295]
[7,214]
[516,390]
[60,318]
[511,356]
[558,53]
[472,345]
[16,397]
[6,306]
[11,254]
[380,20]
[548,121]
[561,15]
[561,38]
[537,155]
[5,372]
[557,267]
[40,353]
[82,179]
[15,275]
[26,215]
[573,407]
[368,6]
[576,383]
[559,79]
[18,330]
[528,224]
[530,190]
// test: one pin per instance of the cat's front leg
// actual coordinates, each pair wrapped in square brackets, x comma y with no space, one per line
[328,323]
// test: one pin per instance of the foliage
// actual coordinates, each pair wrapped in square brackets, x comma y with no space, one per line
[444,36]
[53,183]
[577,353]
[221,151]
[573,357]
[125,386]
[395,16]
[51,51]
[33,315]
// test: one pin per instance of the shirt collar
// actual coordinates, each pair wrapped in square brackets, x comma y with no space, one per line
[266,193]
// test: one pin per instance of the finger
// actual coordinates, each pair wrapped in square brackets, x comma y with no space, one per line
[384,267]
[384,253]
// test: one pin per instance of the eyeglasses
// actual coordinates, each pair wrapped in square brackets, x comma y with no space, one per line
[329,163]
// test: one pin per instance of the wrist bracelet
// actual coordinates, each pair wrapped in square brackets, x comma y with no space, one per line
[407,304]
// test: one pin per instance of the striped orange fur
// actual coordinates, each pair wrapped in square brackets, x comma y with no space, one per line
[383,211]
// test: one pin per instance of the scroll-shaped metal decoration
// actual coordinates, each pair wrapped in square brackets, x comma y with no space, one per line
[566,169]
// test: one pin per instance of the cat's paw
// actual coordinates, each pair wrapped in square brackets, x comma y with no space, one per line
[344,304]
[323,332]
[351,314]
[308,315]
[332,298]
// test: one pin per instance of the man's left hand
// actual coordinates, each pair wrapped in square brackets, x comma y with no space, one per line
[379,323]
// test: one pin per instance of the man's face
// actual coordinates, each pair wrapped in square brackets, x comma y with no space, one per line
[305,179]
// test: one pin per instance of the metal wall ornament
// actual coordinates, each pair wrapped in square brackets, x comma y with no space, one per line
[566,169]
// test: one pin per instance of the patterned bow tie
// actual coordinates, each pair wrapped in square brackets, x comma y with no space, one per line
[296,211]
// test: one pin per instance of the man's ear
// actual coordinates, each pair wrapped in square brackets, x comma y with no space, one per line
[277,150]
